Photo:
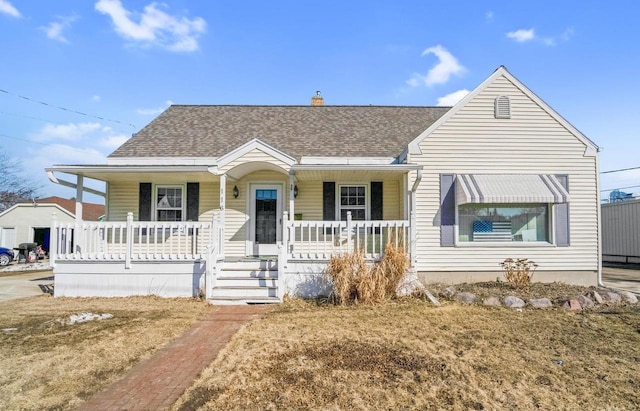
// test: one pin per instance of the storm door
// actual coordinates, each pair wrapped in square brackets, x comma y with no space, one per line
[265,224]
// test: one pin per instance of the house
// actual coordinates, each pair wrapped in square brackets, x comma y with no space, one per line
[620,228]
[249,202]
[30,222]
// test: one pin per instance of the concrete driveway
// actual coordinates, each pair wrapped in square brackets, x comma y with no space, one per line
[624,277]
[25,284]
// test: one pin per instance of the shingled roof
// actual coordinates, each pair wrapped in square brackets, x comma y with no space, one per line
[90,211]
[325,131]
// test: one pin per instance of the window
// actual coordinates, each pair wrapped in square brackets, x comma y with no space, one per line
[169,203]
[353,198]
[503,223]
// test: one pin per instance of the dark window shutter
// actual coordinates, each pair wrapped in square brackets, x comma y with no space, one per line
[193,201]
[329,201]
[376,200]
[447,210]
[562,216]
[144,202]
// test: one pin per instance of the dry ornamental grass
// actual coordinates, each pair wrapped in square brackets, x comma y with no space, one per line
[46,363]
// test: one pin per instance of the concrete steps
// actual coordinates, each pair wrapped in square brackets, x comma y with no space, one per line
[247,282]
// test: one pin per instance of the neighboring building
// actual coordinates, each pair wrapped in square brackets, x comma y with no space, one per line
[621,232]
[253,200]
[30,222]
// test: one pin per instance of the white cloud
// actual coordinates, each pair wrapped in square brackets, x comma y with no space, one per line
[154,26]
[441,72]
[55,28]
[7,8]
[452,99]
[65,132]
[567,34]
[488,16]
[154,111]
[83,136]
[113,142]
[522,35]
[96,98]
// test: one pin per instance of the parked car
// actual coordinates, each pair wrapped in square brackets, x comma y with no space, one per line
[6,256]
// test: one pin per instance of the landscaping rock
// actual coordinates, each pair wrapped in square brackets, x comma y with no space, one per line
[409,285]
[513,302]
[541,303]
[585,301]
[610,297]
[571,304]
[448,292]
[466,298]
[492,302]
[628,297]
[595,297]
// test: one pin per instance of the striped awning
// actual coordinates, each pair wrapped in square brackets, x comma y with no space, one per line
[509,188]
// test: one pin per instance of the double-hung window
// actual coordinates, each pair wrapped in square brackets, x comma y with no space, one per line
[169,203]
[353,198]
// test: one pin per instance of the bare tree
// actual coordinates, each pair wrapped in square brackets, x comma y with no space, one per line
[14,186]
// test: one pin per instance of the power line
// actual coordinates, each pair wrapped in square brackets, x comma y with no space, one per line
[619,188]
[51,121]
[622,169]
[66,109]
[43,144]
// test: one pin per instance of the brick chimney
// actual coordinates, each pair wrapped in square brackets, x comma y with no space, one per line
[317,100]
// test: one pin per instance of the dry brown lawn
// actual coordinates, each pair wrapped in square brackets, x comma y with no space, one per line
[412,355]
[46,364]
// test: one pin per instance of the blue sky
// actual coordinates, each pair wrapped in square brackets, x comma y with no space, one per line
[122,62]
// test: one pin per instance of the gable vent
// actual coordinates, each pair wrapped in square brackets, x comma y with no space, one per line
[502,107]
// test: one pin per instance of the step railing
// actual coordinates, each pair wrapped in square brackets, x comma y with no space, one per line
[318,240]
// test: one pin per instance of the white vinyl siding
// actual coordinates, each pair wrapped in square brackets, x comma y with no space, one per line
[123,198]
[253,157]
[237,214]
[473,141]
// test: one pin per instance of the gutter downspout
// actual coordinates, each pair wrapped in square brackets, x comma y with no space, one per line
[413,219]
[599,217]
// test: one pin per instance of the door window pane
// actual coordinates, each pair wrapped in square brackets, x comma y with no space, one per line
[266,216]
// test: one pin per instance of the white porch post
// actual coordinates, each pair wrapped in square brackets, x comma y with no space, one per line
[291,197]
[53,240]
[78,235]
[349,233]
[129,246]
[292,184]
[79,192]
[223,196]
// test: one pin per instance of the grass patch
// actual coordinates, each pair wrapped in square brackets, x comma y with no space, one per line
[408,354]
[47,364]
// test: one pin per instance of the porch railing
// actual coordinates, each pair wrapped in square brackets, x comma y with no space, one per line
[132,240]
[313,240]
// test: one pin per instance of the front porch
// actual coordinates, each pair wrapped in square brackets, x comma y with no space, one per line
[187,259]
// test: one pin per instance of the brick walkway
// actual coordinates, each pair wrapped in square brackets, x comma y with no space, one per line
[158,382]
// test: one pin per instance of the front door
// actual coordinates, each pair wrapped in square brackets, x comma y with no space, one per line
[265,223]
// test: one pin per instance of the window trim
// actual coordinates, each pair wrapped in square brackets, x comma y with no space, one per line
[367,199]
[183,201]
[494,244]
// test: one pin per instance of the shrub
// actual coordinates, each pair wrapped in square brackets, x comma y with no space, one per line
[518,272]
[355,280]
